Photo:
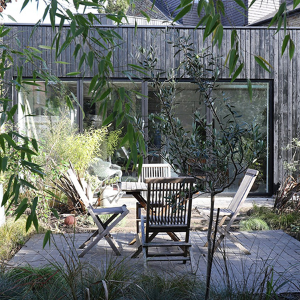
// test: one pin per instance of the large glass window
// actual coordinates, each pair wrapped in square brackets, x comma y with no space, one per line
[92,118]
[39,106]
[91,107]
[255,110]
[252,111]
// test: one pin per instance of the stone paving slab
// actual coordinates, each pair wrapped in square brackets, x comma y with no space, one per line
[272,249]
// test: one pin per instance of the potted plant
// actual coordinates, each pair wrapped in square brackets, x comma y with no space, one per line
[109,192]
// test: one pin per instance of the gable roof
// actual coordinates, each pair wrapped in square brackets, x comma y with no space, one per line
[153,11]
[267,19]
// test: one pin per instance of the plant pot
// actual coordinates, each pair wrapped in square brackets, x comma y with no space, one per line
[2,210]
[109,197]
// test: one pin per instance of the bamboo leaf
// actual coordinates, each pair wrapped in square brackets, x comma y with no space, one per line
[233,37]
[241,4]
[109,119]
[200,6]
[292,49]
[28,222]
[237,72]
[55,213]
[35,145]
[296,3]
[284,43]
[26,183]
[232,60]
[261,63]
[47,238]
[45,47]
[90,59]
[182,13]
[252,2]
[24,4]
[145,15]
[73,73]
[62,62]
[10,17]
[35,222]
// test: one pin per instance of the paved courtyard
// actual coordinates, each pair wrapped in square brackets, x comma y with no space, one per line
[274,250]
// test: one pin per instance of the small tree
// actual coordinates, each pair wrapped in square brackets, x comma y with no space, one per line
[219,147]
[115,6]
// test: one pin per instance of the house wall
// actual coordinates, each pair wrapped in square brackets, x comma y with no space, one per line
[253,41]
[262,8]
[293,20]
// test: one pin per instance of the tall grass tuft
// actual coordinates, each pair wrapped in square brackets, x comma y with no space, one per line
[13,235]
[157,286]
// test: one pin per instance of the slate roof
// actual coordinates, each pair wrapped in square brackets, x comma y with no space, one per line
[146,6]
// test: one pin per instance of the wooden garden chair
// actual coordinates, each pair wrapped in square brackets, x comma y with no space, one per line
[150,171]
[232,211]
[169,204]
[154,171]
[117,214]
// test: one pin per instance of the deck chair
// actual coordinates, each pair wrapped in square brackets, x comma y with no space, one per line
[117,214]
[169,204]
[232,211]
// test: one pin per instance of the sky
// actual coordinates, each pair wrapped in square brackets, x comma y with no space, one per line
[29,15]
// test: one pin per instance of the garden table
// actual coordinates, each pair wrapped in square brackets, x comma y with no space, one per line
[136,189]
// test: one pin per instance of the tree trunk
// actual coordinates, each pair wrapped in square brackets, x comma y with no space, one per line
[209,245]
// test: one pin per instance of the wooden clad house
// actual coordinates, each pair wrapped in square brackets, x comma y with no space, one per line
[276,95]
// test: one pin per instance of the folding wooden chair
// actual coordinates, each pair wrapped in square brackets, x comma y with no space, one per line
[232,211]
[118,213]
[169,204]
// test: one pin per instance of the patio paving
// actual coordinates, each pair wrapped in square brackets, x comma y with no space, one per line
[273,249]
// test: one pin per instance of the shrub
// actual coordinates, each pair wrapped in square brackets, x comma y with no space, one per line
[253,224]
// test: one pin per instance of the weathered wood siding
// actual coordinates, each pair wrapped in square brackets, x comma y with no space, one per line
[253,41]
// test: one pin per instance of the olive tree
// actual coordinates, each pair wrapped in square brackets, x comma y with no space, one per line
[217,147]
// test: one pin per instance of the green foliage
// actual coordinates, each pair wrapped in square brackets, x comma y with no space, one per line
[61,143]
[284,221]
[215,150]
[33,278]
[211,147]
[155,286]
[83,34]
[253,224]
[13,234]
[115,6]
[293,166]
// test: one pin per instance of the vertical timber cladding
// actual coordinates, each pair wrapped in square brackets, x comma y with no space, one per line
[285,102]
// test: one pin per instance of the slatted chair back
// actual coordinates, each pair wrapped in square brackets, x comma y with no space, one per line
[243,189]
[104,227]
[242,193]
[155,171]
[169,202]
